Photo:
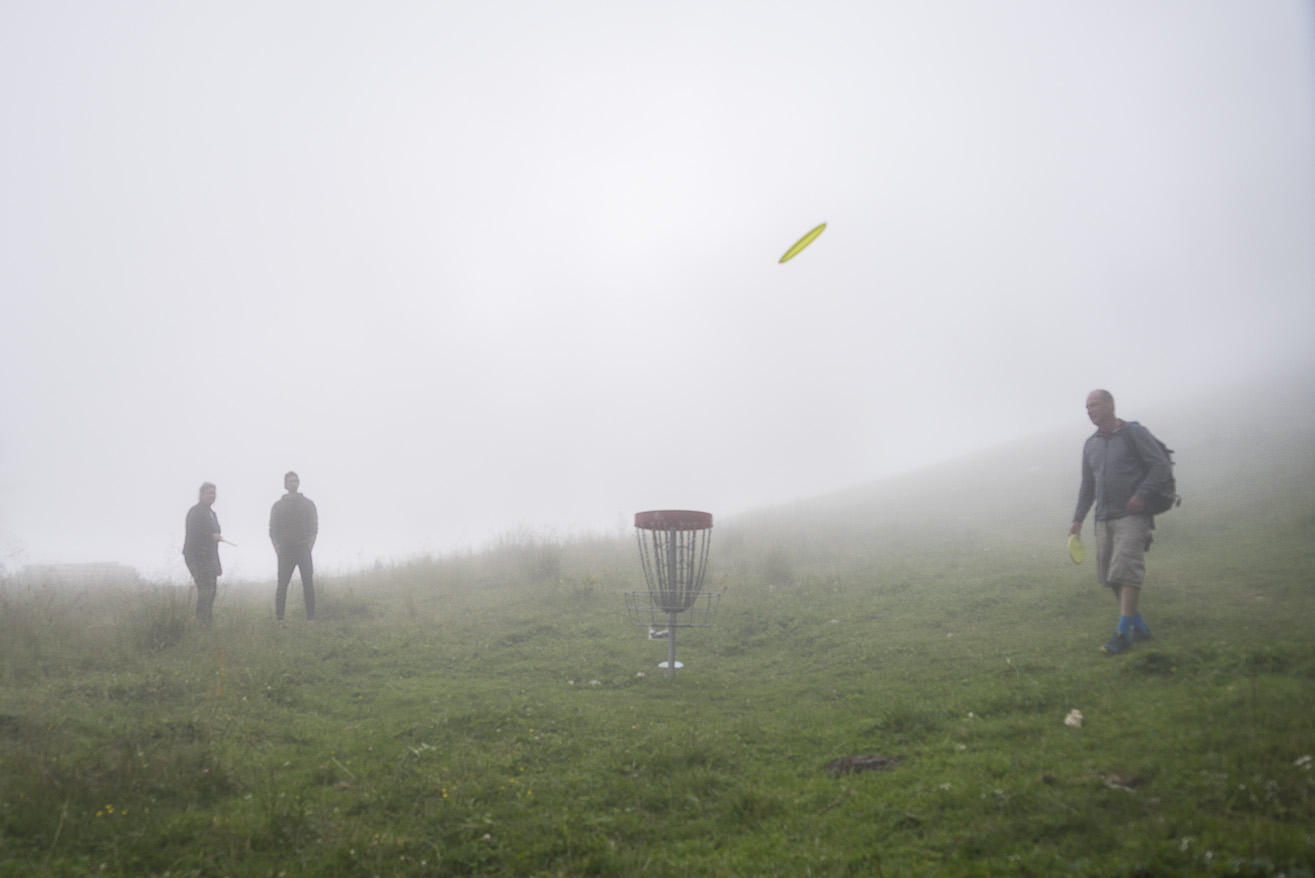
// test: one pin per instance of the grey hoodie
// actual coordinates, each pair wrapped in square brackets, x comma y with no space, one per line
[1128,462]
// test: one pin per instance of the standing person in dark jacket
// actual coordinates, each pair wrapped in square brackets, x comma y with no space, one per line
[1122,465]
[293,527]
[201,552]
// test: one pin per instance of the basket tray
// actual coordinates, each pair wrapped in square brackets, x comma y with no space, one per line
[700,614]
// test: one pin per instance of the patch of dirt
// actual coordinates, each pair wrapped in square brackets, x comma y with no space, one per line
[855,764]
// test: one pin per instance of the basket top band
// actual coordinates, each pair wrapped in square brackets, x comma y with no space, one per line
[673,519]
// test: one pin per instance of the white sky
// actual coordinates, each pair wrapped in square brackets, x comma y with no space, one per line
[475,267]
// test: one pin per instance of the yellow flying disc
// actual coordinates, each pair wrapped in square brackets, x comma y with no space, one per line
[1076,550]
[802,243]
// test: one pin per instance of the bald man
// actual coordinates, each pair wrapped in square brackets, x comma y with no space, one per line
[1122,465]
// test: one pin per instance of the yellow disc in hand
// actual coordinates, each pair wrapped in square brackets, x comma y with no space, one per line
[1076,550]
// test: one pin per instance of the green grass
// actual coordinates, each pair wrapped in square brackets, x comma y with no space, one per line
[495,714]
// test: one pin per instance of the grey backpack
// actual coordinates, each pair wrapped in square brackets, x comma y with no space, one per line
[1167,497]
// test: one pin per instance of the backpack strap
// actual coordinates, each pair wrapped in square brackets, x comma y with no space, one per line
[1168,453]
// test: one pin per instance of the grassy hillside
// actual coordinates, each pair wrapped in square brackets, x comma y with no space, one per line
[496,714]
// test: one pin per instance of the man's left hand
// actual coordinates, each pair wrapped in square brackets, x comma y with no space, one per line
[1135,505]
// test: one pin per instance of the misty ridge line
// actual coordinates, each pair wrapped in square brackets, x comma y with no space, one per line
[1252,439]
[1238,451]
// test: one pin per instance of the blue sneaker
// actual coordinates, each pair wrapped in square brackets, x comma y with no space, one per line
[1118,644]
[1141,635]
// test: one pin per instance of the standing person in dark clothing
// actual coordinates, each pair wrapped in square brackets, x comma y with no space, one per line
[293,526]
[201,552]
[1122,465]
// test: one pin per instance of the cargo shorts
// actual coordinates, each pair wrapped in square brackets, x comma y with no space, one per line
[1121,550]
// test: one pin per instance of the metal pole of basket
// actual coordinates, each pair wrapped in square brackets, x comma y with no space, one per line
[673,563]
[673,548]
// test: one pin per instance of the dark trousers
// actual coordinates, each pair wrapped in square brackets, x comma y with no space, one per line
[297,557]
[207,583]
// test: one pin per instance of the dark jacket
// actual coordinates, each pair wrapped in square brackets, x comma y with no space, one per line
[200,548]
[1129,461]
[293,522]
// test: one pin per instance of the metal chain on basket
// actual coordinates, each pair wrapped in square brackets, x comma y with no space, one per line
[675,562]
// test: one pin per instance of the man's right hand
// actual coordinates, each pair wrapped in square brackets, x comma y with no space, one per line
[1075,529]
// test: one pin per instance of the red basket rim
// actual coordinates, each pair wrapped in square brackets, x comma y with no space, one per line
[673,519]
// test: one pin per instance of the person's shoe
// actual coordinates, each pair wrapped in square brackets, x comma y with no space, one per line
[1141,635]
[1118,644]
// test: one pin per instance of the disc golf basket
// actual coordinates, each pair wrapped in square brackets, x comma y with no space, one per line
[673,546]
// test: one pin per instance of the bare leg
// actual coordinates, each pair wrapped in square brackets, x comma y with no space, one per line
[1129,599]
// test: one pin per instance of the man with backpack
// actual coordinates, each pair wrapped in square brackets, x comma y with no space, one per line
[1128,475]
